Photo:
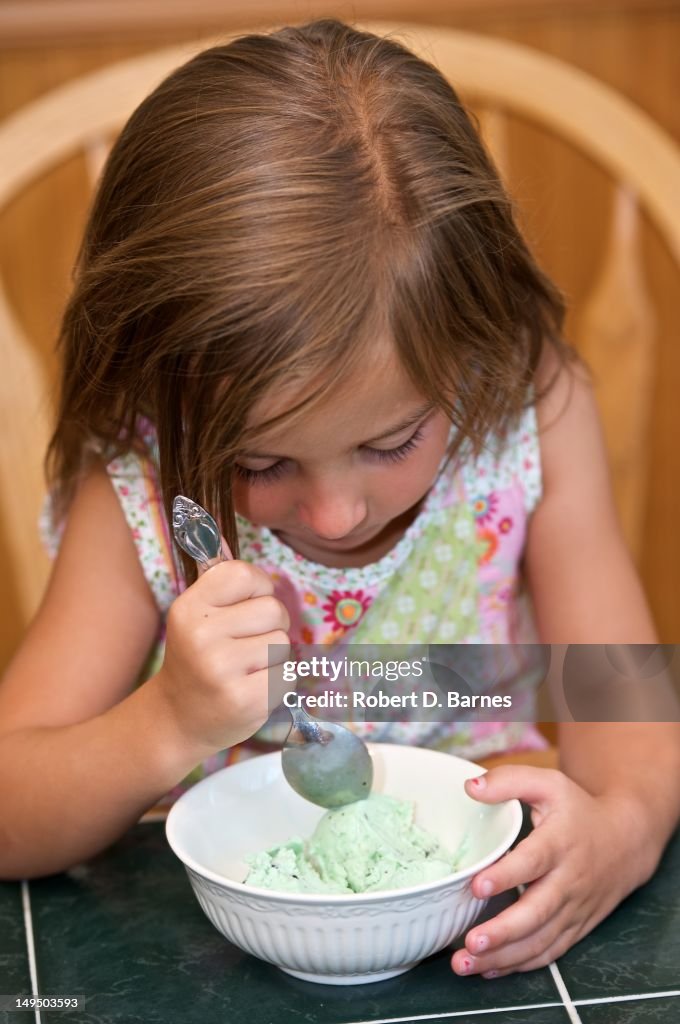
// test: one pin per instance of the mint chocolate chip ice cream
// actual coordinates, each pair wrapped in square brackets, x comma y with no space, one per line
[366,846]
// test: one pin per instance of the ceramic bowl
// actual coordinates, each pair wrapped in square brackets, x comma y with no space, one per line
[339,939]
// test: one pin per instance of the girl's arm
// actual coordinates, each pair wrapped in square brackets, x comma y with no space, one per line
[586,590]
[81,756]
[78,763]
[600,824]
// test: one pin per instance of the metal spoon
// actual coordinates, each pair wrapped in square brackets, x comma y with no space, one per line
[322,761]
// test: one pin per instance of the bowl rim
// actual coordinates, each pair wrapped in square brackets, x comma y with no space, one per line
[343,899]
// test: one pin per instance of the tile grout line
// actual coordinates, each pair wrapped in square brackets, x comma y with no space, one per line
[574,1017]
[30,944]
[560,985]
[456,1013]
[627,999]
[564,994]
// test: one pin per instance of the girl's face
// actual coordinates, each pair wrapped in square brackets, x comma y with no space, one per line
[343,482]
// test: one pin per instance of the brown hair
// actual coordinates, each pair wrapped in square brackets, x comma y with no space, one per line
[273,206]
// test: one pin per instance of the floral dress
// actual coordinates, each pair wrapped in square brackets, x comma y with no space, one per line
[453,578]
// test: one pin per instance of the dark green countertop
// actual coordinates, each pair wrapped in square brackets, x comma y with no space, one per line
[125,931]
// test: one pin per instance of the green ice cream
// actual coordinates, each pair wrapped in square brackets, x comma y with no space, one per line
[363,847]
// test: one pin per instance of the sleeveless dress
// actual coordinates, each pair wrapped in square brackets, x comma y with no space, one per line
[453,578]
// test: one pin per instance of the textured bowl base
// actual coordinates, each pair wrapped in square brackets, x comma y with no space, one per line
[350,979]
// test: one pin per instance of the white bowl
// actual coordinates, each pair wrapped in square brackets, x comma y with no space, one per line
[336,940]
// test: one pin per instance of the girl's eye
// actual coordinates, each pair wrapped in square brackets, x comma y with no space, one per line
[271,473]
[398,453]
[260,476]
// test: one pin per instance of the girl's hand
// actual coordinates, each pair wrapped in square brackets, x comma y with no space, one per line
[585,855]
[216,674]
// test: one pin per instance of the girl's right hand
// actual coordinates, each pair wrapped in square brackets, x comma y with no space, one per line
[216,678]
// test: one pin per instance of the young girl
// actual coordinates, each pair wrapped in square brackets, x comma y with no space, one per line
[302,300]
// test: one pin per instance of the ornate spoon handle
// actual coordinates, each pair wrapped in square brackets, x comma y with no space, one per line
[196,532]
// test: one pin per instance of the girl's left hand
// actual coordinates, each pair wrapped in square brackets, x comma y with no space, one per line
[585,855]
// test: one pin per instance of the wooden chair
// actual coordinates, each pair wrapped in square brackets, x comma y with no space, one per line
[616,330]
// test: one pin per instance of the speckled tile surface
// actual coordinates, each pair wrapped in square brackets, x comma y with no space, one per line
[522,1015]
[126,930]
[639,1011]
[14,972]
[637,948]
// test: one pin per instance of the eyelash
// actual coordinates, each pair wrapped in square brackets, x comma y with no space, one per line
[272,473]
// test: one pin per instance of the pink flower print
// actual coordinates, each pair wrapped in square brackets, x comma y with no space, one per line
[332,637]
[485,507]
[344,608]
[136,533]
[498,601]
[505,524]
[492,545]
[124,490]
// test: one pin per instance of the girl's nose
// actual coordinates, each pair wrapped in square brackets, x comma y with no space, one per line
[332,513]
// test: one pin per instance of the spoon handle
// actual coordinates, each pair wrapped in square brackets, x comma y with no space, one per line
[197,533]
[308,728]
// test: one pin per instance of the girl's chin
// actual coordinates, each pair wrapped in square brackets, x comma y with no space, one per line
[352,542]
[350,552]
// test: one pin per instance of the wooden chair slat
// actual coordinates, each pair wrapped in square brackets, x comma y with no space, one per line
[96,153]
[24,429]
[616,336]
[493,124]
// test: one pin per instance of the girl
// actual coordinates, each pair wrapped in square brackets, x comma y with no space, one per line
[302,300]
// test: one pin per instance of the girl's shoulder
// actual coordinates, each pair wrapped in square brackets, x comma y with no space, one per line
[510,459]
[567,416]
[583,581]
[135,481]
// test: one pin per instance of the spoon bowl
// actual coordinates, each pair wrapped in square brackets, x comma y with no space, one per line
[324,762]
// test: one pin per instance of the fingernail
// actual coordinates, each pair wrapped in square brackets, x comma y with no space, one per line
[486,888]
[490,974]
[479,782]
[467,965]
[481,943]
